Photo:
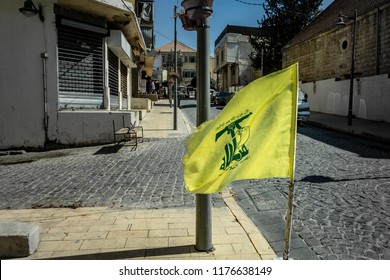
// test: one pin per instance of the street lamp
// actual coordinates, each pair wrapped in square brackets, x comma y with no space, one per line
[30,10]
[342,22]
[187,24]
[199,11]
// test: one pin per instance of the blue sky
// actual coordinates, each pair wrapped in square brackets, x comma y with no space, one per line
[225,12]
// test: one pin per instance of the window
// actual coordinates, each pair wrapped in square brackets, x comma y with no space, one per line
[188,74]
[344,45]
[190,59]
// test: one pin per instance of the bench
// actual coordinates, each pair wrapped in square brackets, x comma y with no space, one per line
[131,133]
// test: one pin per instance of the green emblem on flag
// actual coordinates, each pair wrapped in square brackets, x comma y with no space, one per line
[236,150]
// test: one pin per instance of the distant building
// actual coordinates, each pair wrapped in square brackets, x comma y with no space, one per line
[324,53]
[232,63]
[186,61]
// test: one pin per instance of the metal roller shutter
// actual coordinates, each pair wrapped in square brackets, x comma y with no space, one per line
[80,68]
[113,77]
[124,85]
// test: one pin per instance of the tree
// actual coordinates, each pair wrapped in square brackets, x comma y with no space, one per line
[282,21]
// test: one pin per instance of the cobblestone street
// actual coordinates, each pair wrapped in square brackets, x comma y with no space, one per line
[149,177]
[342,191]
[342,199]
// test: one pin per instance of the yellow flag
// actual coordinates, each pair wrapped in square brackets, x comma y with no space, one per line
[253,137]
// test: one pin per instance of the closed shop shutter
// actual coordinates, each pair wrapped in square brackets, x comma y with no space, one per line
[124,85]
[113,79]
[80,68]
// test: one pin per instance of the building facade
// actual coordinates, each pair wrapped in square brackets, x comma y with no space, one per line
[232,62]
[68,72]
[324,52]
[186,61]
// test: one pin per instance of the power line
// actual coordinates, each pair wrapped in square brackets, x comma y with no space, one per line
[170,38]
[249,3]
[164,35]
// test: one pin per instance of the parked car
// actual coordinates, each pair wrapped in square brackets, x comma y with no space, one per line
[183,90]
[191,92]
[303,106]
[181,95]
[213,94]
[222,98]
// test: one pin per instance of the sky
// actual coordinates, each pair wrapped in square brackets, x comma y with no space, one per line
[233,12]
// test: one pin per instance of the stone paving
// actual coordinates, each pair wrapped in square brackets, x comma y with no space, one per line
[117,202]
[342,196]
[149,177]
[342,192]
[342,200]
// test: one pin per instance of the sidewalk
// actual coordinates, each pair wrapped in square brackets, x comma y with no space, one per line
[378,131]
[159,123]
[164,233]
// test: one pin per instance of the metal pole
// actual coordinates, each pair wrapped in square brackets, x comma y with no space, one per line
[175,69]
[287,233]
[203,201]
[350,103]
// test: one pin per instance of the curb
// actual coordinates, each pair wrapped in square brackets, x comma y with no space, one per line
[259,242]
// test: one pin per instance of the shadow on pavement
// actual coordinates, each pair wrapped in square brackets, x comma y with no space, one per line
[363,147]
[325,179]
[108,150]
[130,254]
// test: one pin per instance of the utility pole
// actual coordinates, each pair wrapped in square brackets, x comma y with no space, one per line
[175,15]
[203,201]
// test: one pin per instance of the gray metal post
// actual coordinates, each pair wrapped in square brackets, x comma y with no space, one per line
[350,101]
[175,78]
[203,201]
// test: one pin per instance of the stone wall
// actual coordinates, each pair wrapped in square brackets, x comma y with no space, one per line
[328,55]
[325,67]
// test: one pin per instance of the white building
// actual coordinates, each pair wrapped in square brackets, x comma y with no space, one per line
[68,72]
[232,63]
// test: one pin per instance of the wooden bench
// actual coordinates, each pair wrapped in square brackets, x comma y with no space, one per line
[131,133]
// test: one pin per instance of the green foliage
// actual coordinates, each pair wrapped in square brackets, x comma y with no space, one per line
[282,21]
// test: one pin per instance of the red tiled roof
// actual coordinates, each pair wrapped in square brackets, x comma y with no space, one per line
[329,17]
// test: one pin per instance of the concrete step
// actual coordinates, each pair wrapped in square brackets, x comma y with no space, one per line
[18,239]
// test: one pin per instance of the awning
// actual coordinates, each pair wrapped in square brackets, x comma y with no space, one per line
[119,13]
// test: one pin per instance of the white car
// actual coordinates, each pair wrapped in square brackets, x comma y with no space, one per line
[303,106]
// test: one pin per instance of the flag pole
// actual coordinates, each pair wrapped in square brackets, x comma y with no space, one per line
[293,142]
[287,233]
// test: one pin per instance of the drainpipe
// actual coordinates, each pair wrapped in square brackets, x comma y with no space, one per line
[44,56]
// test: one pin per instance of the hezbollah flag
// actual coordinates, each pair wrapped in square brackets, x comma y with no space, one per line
[253,137]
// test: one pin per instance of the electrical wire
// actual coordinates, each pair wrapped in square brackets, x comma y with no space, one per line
[170,38]
[249,3]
